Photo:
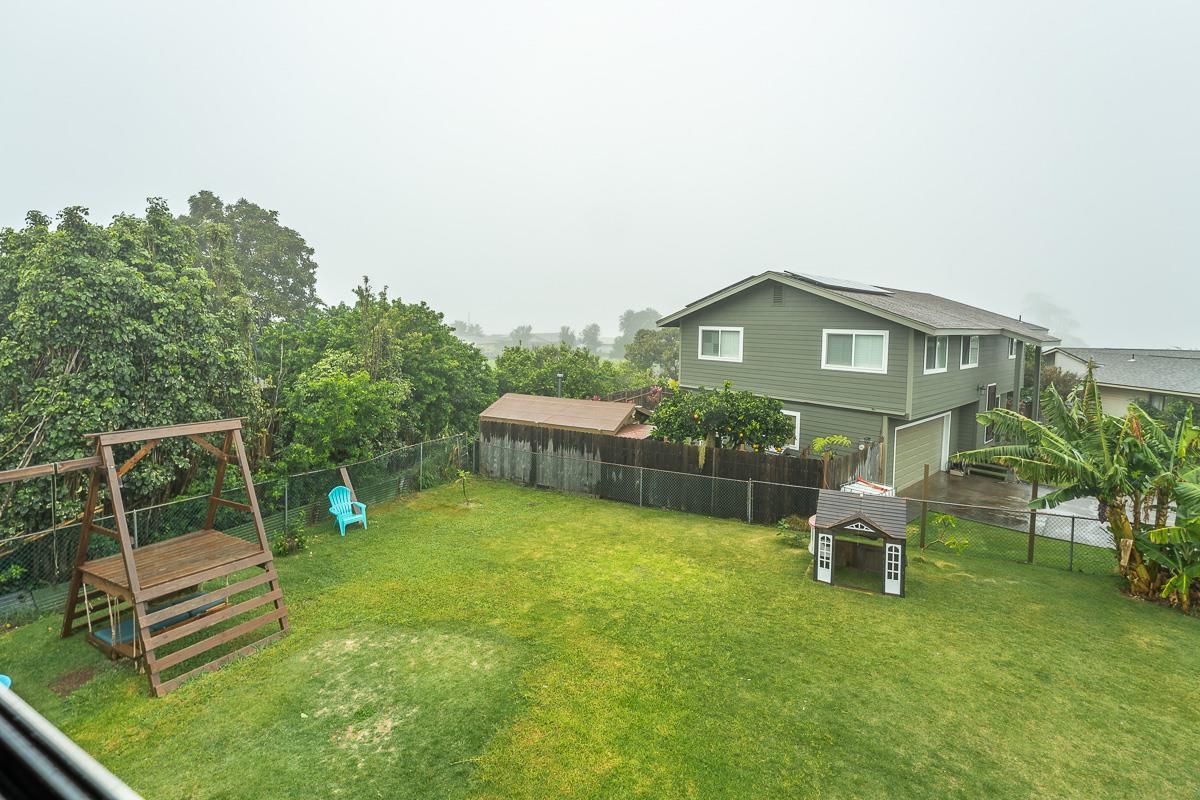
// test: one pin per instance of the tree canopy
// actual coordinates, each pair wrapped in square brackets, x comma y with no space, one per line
[724,417]
[534,371]
[630,323]
[244,246]
[655,350]
[108,327]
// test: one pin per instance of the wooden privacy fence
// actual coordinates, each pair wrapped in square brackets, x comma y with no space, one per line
[758,487]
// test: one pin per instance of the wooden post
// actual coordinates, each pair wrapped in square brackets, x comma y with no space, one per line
[1032,526]
[252,497]
[924,505]
[1035,402]
[214,496]
[85,536]
[346,482]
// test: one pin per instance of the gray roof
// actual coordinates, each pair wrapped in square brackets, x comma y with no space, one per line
[888,514]
[1158,371]
[921,310]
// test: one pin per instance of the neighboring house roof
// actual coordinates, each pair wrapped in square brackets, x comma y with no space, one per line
[888,514]
[925,312]
[1174,372]
[592,416]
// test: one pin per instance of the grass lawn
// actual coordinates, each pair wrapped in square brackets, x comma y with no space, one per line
[540,645]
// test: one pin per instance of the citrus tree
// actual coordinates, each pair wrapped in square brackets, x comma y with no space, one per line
[724,417]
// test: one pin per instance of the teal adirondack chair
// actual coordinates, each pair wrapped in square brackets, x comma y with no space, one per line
[345,510]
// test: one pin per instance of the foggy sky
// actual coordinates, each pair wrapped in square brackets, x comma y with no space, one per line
[555,163]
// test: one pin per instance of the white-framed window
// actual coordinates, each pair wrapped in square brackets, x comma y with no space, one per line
[936,351]
[1012,348]
[970,352]
[720,344]
[794,444]
[854,351]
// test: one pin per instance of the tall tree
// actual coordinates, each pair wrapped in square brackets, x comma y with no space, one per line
[520,335]
[273,262]
[112,327]
[589,337]
[567,336]
[630,323]
[467,328]
[450,380]
[655,350]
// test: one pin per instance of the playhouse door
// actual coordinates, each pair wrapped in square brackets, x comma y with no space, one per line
[825,557]
[891,569]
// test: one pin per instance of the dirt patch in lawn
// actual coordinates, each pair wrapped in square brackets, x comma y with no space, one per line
[64,685]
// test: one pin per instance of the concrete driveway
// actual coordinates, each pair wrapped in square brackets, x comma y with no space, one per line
[1006,504]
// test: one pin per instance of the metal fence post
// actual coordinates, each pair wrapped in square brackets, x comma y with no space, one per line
[285,505]
[1032,526]
[750,500]
[924,505]
[135,528]
[420,466]
[1071,550]
[641,482]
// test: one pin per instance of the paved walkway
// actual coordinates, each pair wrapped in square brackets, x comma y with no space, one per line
[992,497]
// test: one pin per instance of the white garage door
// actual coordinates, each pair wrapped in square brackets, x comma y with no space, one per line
[918,444]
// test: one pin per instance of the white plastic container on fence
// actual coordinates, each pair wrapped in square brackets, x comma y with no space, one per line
[862,486]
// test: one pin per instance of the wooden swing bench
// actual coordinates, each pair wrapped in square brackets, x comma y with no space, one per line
[153,596]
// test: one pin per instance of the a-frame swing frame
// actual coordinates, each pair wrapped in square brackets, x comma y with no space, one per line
[160,583]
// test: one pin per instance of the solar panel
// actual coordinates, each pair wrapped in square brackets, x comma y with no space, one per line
[838,283]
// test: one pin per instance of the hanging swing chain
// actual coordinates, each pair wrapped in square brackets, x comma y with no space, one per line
[112,619]
[87,605]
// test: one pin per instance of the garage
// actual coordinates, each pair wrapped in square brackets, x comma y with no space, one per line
[918,444]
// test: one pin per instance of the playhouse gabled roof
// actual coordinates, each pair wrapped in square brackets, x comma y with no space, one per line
[886,514]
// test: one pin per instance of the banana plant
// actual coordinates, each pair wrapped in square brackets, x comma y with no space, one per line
[1176,549]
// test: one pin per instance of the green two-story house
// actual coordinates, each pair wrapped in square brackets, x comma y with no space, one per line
[907,369]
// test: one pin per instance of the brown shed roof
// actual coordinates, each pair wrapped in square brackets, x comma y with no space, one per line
[593,416]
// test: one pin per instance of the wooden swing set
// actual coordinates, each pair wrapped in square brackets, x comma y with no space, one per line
[152,603]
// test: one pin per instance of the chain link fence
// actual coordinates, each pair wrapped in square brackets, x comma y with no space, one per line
[727,498]
[35,567]
[1078,544]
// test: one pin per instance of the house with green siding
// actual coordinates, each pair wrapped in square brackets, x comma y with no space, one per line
[908,369]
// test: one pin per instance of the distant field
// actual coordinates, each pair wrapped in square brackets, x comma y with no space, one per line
[537,645]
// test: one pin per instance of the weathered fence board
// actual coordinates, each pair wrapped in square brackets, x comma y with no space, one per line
[763,487]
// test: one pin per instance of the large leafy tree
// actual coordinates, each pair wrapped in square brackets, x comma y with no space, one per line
[449,380]
[630,323]
[724,417]
[655,350]
[336,413]
[585,374]
[589,337]
[246,249]
[107,327]
[1129,464]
